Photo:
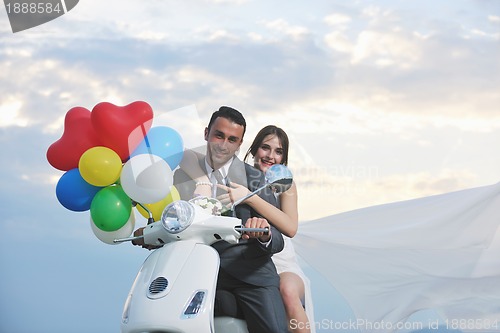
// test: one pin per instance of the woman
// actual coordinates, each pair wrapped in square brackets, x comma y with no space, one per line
[269,147]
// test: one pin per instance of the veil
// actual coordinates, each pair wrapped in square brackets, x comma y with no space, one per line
[440,252]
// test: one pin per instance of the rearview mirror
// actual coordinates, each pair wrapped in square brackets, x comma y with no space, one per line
[279,177]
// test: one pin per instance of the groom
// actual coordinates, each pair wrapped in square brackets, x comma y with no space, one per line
[247,276]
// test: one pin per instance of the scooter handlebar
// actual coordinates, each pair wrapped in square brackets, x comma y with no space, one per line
[244,229]
[128,239]
[240,229]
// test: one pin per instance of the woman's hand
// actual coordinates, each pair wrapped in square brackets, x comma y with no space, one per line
[234,193]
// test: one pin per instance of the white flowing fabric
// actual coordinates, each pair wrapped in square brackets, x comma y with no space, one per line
[440,252]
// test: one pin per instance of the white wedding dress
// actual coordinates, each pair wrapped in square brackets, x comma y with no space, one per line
[286,261]
[389,261]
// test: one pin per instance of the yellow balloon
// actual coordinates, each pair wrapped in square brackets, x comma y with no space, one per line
[100,166]
[157,208]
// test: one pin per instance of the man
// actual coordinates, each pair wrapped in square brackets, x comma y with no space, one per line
[248,284]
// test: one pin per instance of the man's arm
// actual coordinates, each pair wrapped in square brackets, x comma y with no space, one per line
[184,184]
[277,242]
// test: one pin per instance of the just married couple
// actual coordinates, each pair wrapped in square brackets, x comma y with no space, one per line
[259,278]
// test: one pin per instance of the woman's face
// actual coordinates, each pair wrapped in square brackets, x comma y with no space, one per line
[269,152]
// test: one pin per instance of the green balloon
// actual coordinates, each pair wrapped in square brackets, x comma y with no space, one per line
[110,209]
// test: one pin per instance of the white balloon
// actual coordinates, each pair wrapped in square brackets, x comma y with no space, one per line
[108,236]
[146,178]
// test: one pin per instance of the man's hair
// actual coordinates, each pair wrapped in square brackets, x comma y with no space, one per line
[231,114]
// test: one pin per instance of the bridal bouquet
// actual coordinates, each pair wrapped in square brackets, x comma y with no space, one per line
[211,205]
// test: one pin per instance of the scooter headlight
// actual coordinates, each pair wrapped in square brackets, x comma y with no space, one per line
[177,216]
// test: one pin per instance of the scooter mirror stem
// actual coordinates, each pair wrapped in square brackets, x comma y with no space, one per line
[277,175]
[237,202]
[150,218]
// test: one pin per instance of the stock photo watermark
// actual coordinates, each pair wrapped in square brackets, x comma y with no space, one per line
[466,325]
[25,14]
[337,179]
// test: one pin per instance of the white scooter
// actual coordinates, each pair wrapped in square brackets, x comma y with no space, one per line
[174,290]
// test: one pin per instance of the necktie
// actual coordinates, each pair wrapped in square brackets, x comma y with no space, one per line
[216,179]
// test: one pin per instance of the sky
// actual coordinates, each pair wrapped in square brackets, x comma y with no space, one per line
[382,100]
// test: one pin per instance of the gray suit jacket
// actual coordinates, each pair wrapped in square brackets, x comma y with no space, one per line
[249,260]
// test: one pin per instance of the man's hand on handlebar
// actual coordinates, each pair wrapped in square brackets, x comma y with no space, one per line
[257,222]
[140,241]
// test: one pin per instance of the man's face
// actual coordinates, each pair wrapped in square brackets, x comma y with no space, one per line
[223,140]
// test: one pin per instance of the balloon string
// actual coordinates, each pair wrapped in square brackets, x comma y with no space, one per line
[144,132]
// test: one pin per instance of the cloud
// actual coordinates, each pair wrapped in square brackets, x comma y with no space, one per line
[339,42]
[222,34]
[10,112]
[407,62]
[227,2]
[337,20]
[296,32]
[371,69]
[44,88]
[383,49]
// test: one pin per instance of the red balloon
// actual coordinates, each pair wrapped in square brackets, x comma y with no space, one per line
[78,136]
[122,128]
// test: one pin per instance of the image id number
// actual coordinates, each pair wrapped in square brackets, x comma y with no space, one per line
[471,324]
[33,8]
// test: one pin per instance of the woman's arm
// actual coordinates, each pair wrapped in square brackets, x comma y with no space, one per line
[285,220]
[191,167]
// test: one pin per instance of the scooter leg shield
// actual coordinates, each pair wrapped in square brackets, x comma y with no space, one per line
[174,291]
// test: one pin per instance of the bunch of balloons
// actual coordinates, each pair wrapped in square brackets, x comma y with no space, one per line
[112,157]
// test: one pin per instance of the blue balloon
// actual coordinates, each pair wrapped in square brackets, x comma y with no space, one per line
[74,193]
[164,142]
